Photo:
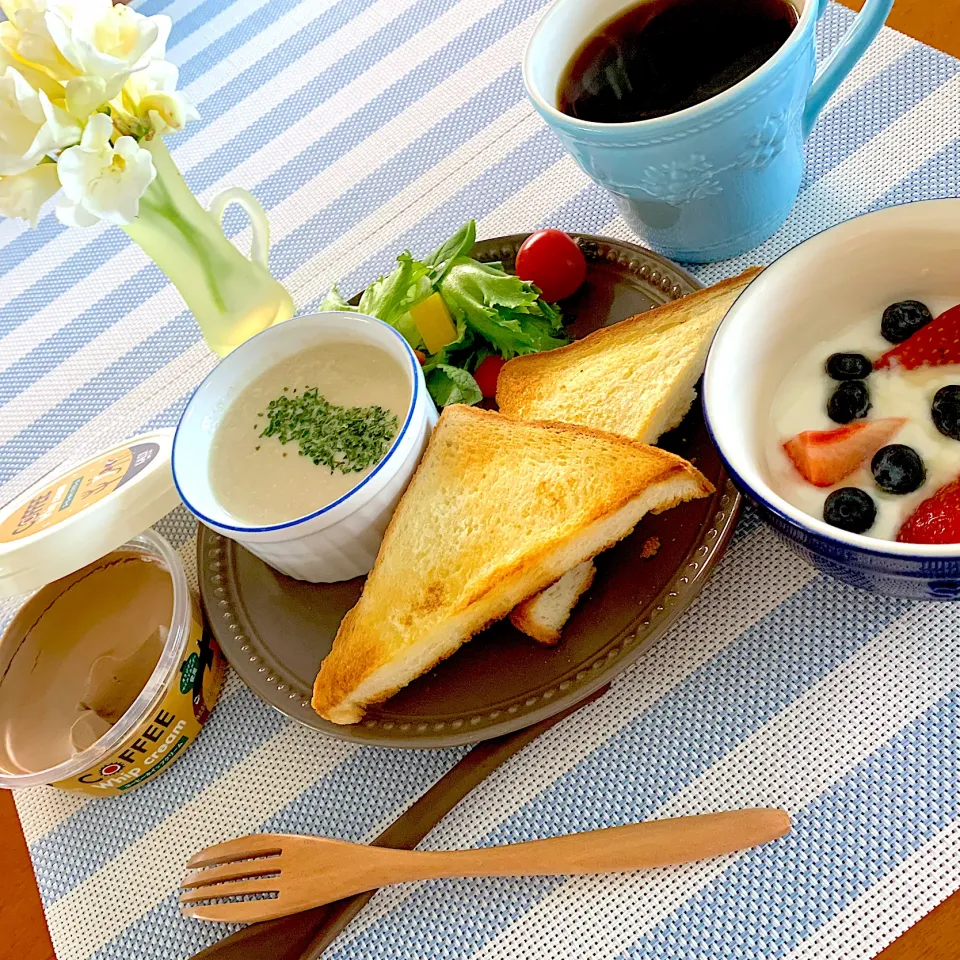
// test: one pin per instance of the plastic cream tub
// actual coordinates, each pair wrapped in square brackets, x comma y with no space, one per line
[106,674]
[339,540]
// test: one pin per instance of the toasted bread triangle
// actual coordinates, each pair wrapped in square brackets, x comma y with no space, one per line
[497,511]
[543,615]
[636,378]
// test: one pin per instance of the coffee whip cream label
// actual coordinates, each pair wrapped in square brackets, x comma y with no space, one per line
[167,730]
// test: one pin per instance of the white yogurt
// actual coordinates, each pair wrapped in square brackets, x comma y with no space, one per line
[801,404]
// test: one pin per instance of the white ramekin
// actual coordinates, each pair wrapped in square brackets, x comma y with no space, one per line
[339,541]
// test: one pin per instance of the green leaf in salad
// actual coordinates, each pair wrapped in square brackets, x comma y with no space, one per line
[455,352]
[553,317]
[448,384]
[459,245]
[334,301]
[502,308]
[462,356]
[391,297]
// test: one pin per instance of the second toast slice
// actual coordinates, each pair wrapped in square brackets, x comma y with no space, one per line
[636,378]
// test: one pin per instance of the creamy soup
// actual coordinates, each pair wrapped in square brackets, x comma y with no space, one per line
[307,431]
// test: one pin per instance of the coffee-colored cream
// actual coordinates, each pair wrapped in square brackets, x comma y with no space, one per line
[77,655]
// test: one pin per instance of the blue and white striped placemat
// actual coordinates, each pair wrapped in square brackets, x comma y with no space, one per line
[367,126]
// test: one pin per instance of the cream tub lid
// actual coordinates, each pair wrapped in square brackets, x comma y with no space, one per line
[82,510]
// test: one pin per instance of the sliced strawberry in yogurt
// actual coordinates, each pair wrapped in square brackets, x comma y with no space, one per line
[935,345]
[936,519]
[825,457]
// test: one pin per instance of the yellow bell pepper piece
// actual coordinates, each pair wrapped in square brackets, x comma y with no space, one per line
[433,320]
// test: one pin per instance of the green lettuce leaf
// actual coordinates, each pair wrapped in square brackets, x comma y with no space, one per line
[391,297]
[553,317]
[502,308]
[459,245]
[334,301]
[448,384]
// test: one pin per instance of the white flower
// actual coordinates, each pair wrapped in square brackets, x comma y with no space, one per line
[28,39]
[84,96]
[73,215]
[30,125]
[37,78]
[103,181]
[149,101]
[101,40]
[24,194]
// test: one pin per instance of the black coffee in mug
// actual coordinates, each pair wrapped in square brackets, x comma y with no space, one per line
[665,55]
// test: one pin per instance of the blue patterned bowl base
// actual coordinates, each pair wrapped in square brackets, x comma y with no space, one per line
[916,578]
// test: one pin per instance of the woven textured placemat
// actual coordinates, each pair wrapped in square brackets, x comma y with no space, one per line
[367,126]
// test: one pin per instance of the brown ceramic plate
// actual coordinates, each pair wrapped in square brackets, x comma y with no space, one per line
[275,630]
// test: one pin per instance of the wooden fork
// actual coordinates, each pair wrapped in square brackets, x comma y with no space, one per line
[305,872]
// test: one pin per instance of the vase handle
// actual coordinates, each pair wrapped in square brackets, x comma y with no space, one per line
[259,225]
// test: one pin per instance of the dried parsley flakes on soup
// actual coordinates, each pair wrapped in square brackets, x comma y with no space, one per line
[345,439]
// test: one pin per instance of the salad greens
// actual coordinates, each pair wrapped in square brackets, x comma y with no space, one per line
[495,313]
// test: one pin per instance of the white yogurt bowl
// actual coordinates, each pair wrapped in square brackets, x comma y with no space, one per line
[810,295]
[337,541]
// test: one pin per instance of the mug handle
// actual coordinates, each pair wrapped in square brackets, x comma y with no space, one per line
[847,52]
[259,225]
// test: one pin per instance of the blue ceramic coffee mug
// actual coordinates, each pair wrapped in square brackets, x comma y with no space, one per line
[713,180]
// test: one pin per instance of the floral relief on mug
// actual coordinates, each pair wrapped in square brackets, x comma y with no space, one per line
[767,142]
[679,181]
[695,177]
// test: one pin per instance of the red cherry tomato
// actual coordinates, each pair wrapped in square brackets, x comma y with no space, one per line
[487,373]
[552,260]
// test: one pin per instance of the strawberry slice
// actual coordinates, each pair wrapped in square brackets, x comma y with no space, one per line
[936,344]
[936,519]
[825,457]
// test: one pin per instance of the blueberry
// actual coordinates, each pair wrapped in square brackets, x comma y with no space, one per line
[898,468]
[904,319]
[850,509]
[946,411]
[850,401]
[848,366]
